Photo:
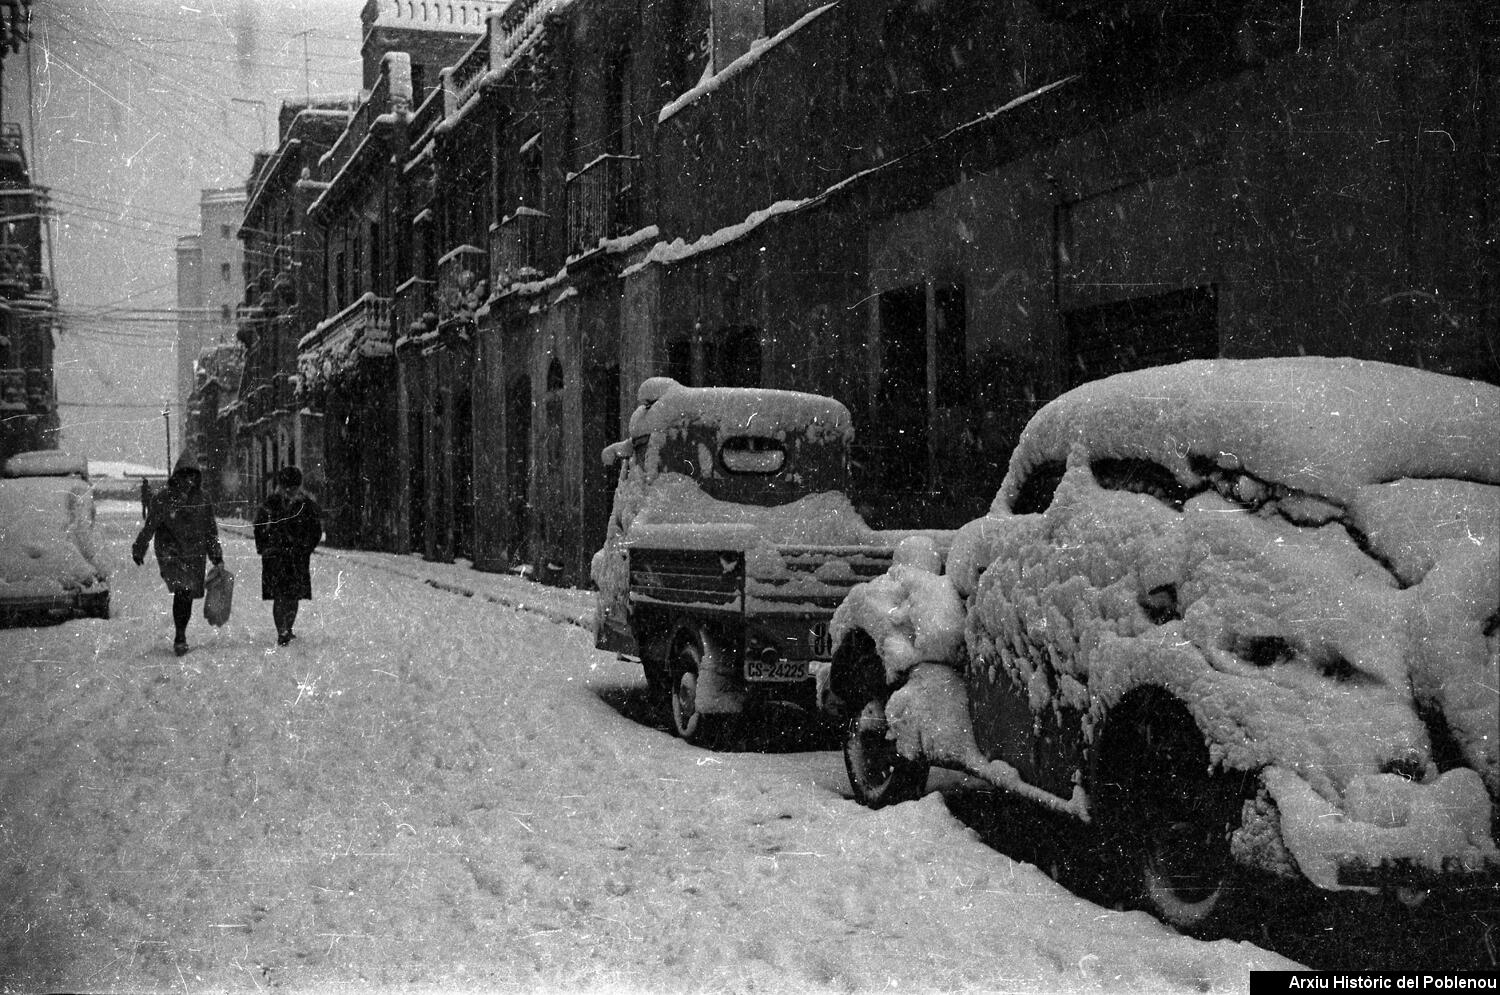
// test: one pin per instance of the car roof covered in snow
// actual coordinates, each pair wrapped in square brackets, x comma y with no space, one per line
[46,463]
[667,404]
[1321,425]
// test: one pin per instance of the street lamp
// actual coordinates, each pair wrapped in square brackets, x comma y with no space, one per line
[166,414]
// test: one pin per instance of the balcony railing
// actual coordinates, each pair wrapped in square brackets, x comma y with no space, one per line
[13,390]
[413,311]
[462,80]
[602,203]
[18,275]
[462,282]
[428,114]
[390,96]
[362,330]
[517,247]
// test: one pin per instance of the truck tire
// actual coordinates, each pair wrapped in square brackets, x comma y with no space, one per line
[688,723]
[878,774]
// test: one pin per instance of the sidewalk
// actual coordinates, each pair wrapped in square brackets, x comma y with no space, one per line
[567,605]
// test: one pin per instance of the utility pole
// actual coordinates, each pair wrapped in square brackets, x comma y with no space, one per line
[166,414]
[306,71]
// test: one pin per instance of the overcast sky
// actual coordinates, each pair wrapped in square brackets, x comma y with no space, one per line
[133,108]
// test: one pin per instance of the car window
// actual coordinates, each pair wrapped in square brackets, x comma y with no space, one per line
[1140,476]
[1035,493]
[752,454]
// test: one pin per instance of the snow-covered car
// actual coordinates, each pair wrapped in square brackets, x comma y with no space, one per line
[1232,615]
[50,561]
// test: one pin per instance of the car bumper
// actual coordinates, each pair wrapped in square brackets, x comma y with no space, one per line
[1431,836]
[93,601]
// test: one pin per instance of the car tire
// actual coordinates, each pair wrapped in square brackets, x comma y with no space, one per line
[878,774]
[689,724]
[1172,822]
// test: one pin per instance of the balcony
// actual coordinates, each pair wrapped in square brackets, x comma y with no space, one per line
[361,331]
[602,203]
[248,320]
[464,80]
[389,101]
[17,274]
[462,283]
[13,390]
[412,311]
[517,247]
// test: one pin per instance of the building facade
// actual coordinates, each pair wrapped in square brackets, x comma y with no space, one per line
[941,214]
[28,306]
[210,285]
[285,287]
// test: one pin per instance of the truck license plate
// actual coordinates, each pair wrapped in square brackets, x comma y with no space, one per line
[775,670]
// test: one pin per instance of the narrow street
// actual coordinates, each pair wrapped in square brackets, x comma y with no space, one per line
[433,791]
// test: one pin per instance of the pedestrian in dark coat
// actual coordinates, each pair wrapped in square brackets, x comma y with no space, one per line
[181,521]
[288,527]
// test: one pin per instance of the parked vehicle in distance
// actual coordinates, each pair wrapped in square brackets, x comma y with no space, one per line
[730,543]
[1233,615]
[50,563]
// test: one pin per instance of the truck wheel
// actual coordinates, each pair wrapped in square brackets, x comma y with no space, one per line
[682,699]
[1172,819]
[878,774]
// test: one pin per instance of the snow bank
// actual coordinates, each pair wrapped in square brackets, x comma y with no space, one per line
[46,463]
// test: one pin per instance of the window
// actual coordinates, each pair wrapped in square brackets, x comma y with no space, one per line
[618,107]
[226,231]
[752,454]
[376,281]
[1034,496]
[224,313]
[554,375]
[224,271]
[1140,476]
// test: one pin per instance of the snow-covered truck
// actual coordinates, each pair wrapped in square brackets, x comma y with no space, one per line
[1228,617]
[730,543]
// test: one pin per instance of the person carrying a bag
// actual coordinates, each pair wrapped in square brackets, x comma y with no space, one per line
[288,527]
[181,521]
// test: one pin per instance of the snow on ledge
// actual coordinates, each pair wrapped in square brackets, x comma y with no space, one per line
[678,250]
[757,49]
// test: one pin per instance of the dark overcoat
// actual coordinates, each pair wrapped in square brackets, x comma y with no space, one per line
[288,527]
[181,521]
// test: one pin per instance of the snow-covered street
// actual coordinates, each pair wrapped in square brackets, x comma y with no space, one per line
[433,791]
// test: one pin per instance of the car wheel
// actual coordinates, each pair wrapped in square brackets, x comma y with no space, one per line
[682,698]
[878,774]
[1175,821]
